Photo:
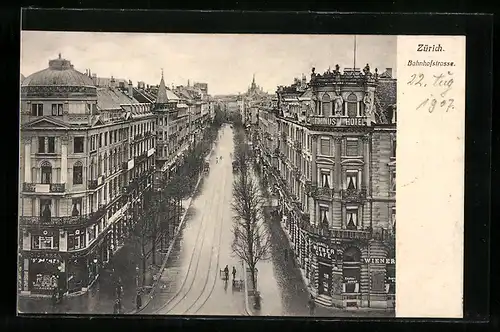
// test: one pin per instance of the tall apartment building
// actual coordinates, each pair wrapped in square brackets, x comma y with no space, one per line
[87,155]
[336,180]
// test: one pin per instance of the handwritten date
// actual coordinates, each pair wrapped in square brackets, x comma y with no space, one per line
[443,80]
[431,103]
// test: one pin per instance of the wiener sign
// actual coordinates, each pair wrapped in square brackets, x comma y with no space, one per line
[321,250]
[338,121]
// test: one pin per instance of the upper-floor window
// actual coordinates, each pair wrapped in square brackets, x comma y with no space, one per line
[44,242]
[45,209]
[57,109]
[78,144]
[352,105]
[46,172]
[105,139]
[393,148]
[352,147]
[325,178]
[393,181]
[325,147]
[352,217]
[37,109]
[352,179]
[393,220]
[323,214]
[76,207]
[78,173]
[326,105]
[46,145]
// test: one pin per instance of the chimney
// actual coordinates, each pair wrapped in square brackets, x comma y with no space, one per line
[112,82]
[94,79]
[389,72]
[130,88]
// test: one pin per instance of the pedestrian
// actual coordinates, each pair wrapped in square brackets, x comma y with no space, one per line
[312,306]
[116,307]
[234,274]
[226,272]
[138,301]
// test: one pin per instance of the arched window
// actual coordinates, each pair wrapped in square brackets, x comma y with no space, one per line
[326,105]
[351,270]
[352,105]
[78,173]
[46,171]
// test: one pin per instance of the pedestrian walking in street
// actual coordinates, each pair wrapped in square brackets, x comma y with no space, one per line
[312,306]
[234,274]
[226,272]
[138,301]
[116,307]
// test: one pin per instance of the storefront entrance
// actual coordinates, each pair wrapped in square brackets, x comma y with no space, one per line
[324,278]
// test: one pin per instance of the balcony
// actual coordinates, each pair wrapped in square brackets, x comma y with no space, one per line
[141,158]
[353,195]
[138,137]
[337,233]
[35,221]
[44,187]
[320,192]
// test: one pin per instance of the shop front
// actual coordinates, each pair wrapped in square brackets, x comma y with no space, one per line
[45,273]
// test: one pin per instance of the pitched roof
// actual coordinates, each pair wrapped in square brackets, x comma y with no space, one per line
[108,98]
[386,92]
[161,95]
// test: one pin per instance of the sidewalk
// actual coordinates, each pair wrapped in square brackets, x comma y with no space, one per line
[101,296]
[282,286]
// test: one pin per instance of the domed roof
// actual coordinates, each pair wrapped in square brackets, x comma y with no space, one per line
[59,73]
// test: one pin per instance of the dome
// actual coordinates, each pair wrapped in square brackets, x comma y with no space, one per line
[59,73]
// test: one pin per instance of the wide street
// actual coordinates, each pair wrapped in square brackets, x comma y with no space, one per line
[191,282]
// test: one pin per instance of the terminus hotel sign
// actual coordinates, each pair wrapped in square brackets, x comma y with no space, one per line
[338,121]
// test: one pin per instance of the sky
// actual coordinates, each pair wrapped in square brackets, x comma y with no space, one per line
[226,62]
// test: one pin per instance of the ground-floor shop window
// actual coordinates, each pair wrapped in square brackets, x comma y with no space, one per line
[390,285]
[351,271]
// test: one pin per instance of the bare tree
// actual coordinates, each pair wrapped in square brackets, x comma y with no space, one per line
[141,235]
[251,241]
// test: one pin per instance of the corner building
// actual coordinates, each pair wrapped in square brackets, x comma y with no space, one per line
[336,182]
[87,155]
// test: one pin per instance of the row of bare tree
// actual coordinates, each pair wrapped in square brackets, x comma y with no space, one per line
[251,241]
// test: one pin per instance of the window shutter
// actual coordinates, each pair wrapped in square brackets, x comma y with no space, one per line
[352,147]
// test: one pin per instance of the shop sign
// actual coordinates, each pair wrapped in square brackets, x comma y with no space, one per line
[350,280]
[323,251]
[338,121]
[37,260]
[380,261]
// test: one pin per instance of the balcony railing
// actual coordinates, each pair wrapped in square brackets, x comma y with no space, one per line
[322,192]
[44,187]
[138,137]
[364,234]
[62,221]
[124,165]
[140,158]
[353,195]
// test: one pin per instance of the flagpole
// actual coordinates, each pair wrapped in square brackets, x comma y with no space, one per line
[354,68]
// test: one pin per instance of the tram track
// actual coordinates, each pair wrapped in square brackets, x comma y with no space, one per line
[202,226]
[220,217]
